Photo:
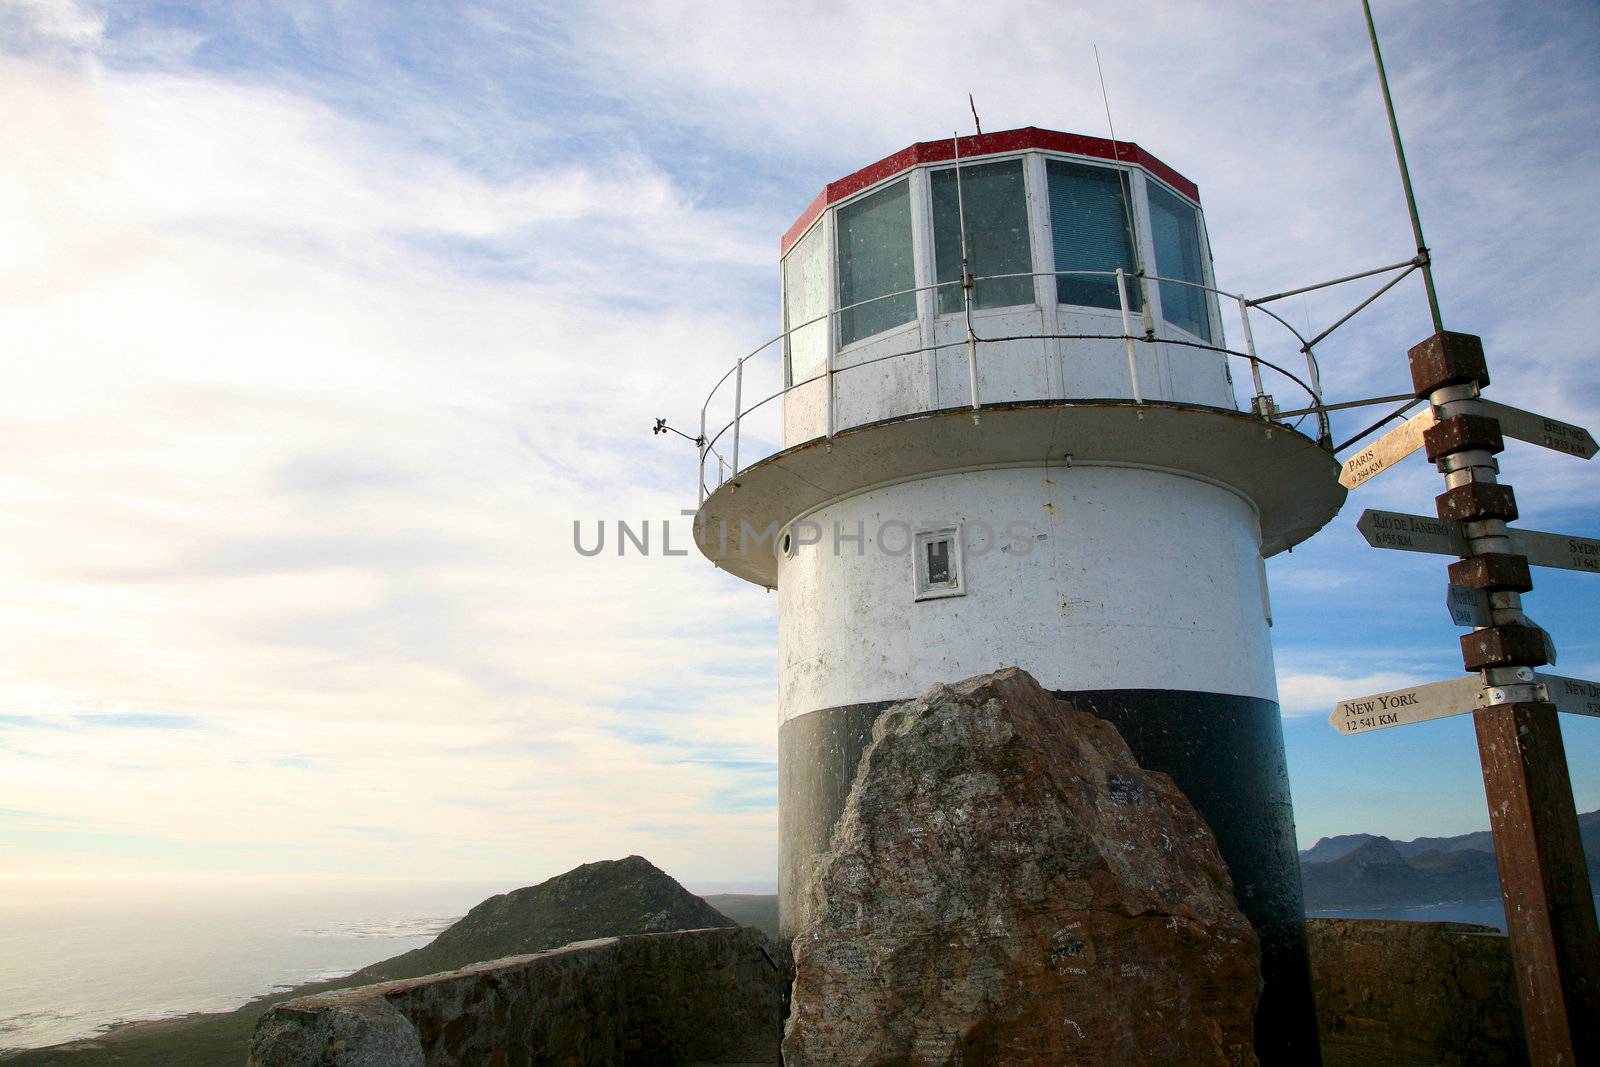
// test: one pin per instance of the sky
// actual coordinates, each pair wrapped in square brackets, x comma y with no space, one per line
[321,324]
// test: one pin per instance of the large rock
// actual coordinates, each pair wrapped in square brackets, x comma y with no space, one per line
[1007,885]
[1414,992]
[683,997]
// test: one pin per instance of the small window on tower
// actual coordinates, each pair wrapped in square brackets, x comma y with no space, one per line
[938,563]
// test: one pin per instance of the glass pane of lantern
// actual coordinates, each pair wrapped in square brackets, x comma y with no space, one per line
[1089,223]
[997,234]
[1175,229]
[805,298]
[874,260]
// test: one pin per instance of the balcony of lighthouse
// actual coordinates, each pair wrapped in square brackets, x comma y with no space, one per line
[1057,287]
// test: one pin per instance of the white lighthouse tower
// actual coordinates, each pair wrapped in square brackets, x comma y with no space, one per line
[1010,436]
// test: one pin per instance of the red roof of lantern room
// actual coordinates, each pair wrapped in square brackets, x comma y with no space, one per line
[986,144]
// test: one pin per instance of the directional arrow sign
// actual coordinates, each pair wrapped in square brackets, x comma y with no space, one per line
[1468,607]
[1572,694]
[1411,533]
[1457,696]
[1557,550]
[1389,449]
[1539,430]
[1420,533]
[1436,700]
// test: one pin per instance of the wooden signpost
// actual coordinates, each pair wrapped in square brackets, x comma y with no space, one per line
[1544,881]
[1543,875]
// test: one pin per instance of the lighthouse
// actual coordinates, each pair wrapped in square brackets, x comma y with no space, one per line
[1013,421]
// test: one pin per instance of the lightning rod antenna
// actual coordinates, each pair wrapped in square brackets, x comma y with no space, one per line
[1127,196]
[1423,257]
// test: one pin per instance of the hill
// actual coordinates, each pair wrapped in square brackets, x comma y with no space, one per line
[605,899]
[627,896]
[1367,871]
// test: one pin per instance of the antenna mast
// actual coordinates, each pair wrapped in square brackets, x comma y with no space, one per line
[1127,206]
[1405,173]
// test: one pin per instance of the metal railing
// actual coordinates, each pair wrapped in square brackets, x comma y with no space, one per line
[1262,405]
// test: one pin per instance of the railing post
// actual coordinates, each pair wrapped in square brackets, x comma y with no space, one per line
[972,361]
[1314,379]
[1127,335]
[700,446]
[1261,403]
[966,283]
[738,404]
[828,376]
[1313,376]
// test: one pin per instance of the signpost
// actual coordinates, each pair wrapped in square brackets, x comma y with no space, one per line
[1468,607]
[1453,696]
[1400,707]
[1411,533]
[1572,695]
[1387,450]
[1419,533]
[1544,880]
[1558,550]
[1543,877]
[1541,430]
[1408,437]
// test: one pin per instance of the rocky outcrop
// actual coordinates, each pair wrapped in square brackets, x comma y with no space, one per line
[698,995]
[1410,992]
[1007,885]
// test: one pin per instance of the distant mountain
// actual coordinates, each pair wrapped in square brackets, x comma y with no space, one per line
[1366,871]
[1328,849]
[606,899]
[1482,841]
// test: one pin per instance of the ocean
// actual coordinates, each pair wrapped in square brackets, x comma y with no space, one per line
[77,958]
[1479,912]
[1482,912]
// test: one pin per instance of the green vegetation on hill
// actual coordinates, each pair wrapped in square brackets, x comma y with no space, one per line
[628,896]
[607,899]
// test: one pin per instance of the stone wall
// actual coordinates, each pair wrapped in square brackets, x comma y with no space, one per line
[653,998]
[1412,992]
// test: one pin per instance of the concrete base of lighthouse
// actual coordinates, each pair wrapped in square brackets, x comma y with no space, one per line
[1224,752]
[1111,549]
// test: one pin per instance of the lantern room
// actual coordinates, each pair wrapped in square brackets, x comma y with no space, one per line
[1067,245]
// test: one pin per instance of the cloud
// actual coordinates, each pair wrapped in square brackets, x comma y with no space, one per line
[33,25]
[298,483]
[321,325]
[1315,693]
